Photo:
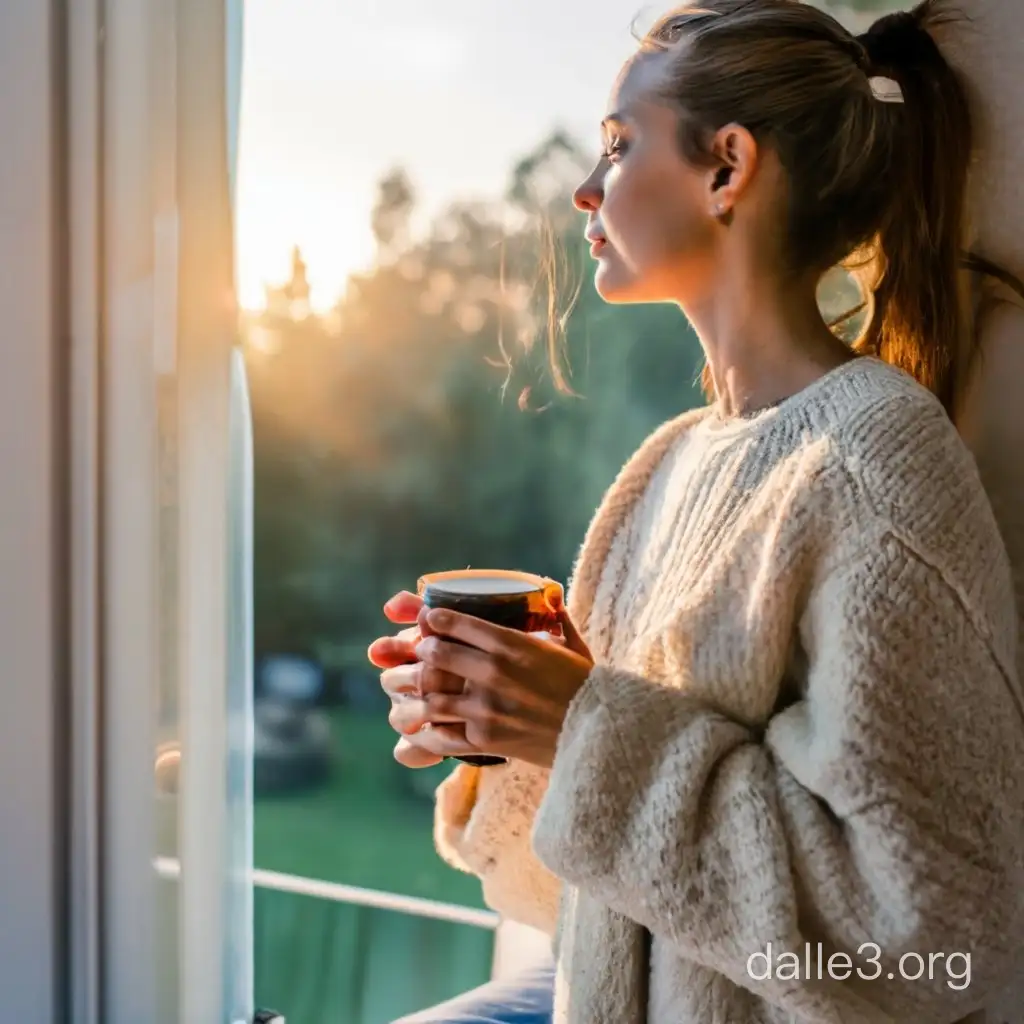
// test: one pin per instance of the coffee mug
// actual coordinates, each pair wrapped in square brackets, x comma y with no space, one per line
[515,600]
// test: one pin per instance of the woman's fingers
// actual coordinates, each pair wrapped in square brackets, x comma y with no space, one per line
[409,755]
[460,661]
[401,682]
[389,651]
[573,640]
[549,638]
[420,747]
[415,679]
[442,741]
[476,632]
[403,608]
[406,607]
[433,679]
[409,716]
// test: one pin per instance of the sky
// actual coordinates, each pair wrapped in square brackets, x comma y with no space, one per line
[335,94]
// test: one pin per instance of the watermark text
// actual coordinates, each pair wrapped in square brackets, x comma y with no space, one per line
[866,964]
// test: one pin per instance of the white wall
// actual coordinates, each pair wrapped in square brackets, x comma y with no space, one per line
[30,675]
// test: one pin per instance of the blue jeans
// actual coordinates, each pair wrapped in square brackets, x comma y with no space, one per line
[525,998]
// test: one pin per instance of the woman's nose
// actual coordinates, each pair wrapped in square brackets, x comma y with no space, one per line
[587,198]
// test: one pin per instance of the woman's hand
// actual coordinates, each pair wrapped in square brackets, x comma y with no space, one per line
[401,678]
[518,688]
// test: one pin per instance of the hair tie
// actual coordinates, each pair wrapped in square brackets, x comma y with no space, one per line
[885,90]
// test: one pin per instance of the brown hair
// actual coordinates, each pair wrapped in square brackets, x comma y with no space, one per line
[879,187]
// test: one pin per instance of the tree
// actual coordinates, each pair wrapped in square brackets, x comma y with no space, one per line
[291,299]
[391,213]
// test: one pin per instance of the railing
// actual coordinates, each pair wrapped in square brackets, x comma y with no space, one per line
[327,951]
[170,868]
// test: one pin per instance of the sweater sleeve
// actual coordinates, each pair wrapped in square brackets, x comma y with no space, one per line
[881,815]
[483,821]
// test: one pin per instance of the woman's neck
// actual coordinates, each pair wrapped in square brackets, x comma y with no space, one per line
[763,343]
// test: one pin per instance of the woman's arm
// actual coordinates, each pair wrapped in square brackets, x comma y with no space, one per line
[882,815]
[483,823]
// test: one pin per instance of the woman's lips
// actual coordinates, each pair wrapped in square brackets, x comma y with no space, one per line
[597,245]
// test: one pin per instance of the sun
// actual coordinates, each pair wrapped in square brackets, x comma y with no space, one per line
[331,227]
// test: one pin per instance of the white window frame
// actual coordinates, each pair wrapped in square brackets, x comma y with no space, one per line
[147,292]
[168,289]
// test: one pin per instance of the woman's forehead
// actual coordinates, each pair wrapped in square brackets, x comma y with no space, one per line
[640,80]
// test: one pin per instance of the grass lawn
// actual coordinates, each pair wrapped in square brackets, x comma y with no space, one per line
[327,963]
[366,827]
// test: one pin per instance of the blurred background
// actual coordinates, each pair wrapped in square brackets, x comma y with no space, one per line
[406,252]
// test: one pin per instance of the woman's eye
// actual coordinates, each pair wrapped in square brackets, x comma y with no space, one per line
[614,149]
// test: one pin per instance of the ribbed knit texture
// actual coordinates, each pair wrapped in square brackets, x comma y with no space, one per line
[804,727]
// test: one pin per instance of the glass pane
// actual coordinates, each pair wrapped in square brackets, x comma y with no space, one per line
[405,229]
[141,492]
[168,738]
[238,952]
[238,938]
[203,636]
[168,473]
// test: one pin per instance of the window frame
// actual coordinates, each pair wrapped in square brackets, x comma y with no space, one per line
[33,550]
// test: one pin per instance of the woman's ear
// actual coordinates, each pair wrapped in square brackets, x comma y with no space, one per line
[735,153]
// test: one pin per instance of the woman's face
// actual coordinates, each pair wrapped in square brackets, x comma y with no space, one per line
[650,220]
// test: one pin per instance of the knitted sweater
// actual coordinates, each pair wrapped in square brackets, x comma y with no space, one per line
[803,740]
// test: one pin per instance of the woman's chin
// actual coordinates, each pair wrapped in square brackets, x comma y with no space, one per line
[612,284]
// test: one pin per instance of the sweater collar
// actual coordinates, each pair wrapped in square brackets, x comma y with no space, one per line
[620,498]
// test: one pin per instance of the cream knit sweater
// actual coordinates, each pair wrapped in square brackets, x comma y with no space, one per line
[804,727]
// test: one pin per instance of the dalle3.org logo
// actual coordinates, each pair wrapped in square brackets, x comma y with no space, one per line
[954,968]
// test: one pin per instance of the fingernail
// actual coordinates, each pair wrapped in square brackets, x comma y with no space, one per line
[438,618]
[552,638]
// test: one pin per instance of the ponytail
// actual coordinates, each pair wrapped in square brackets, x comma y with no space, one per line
[918,318]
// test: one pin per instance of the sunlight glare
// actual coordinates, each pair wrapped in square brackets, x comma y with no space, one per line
[331,228]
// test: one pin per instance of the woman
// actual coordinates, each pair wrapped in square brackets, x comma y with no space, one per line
[775,771]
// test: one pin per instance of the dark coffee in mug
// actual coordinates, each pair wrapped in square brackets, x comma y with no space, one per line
[515,600]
